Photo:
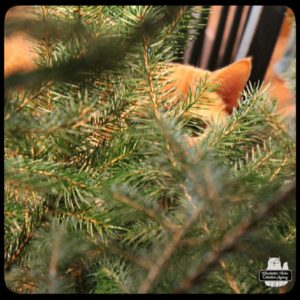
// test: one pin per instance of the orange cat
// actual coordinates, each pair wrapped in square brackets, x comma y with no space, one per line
[228,82]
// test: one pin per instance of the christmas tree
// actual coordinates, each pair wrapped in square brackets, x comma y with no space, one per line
[102,192]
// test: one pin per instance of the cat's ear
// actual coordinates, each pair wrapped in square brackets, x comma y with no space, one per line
[231,80]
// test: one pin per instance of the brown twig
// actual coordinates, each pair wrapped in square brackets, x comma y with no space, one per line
[18,252]
[230,279]
[153,94]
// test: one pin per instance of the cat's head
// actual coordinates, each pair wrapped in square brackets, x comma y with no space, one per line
[224,87]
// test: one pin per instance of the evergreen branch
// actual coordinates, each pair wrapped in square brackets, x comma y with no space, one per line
[230,279]
[59,177]
[24,238]
[46,50]
[167,253]
[269,159]
[262,160]
[112,247]
[113,161]
[28,99]
[231,239]
[141,234]
[152,93]
[117,280]
[179,159]
[275,120]
[22,172]
[231,127]
[179,15]
[187,195]
[75,122]
[99,226]
[18,251]
[148,211]
[118,272]
[279,168]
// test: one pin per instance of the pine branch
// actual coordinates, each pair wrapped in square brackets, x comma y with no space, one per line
[16,249]
[171,247]
[230,279]
[149,212]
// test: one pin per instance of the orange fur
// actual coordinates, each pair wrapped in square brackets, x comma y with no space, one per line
[18,47]
[18,55]
[228,81]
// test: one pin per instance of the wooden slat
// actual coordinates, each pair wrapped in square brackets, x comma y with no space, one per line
[249,31]
[246,21]
[212,63]
[232,36]
[197,48]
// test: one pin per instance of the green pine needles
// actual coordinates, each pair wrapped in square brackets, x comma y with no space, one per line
[103,194]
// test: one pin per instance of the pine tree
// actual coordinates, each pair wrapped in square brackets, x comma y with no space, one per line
[103,195]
